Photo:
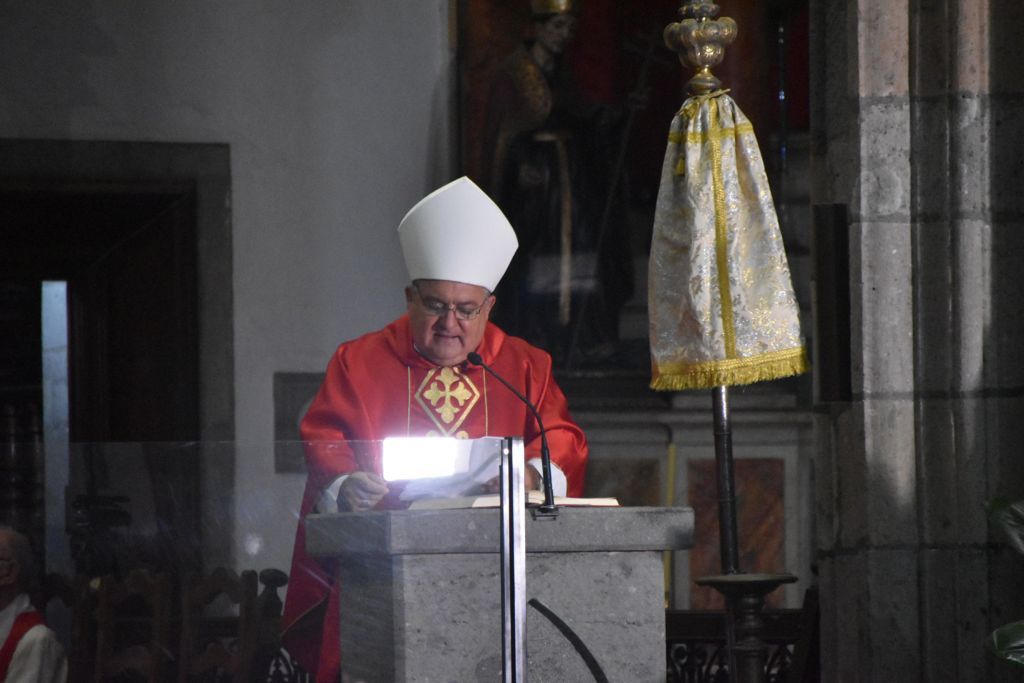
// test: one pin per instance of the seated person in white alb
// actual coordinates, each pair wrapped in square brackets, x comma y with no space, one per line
[29,651]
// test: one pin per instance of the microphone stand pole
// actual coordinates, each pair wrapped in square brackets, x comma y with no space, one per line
[548,507]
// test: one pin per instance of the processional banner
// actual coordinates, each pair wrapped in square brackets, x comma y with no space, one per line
[721,303]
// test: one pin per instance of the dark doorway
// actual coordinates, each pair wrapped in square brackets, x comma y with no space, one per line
[141,233]
[128,254]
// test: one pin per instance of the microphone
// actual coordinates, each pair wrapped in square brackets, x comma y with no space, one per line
[548,506]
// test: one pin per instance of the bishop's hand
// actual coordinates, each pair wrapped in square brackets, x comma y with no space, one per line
[361,491]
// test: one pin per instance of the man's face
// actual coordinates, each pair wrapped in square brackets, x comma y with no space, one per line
[436,312]
[556,32]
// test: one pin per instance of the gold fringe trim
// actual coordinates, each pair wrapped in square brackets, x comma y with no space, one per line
[762,368]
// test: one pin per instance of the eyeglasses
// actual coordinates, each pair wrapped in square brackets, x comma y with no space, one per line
[437,308]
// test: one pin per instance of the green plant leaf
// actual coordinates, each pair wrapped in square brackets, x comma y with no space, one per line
[1008,517]
[1007,642]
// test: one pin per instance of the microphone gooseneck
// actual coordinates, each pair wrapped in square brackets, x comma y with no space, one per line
[545,455]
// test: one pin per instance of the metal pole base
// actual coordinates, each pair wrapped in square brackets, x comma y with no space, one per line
[747,592]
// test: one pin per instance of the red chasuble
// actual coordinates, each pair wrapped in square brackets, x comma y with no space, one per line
[379,386]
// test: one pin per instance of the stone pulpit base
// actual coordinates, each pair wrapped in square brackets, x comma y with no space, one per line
[421,592]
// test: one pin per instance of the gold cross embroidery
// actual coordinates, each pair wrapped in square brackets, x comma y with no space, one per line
[447,395]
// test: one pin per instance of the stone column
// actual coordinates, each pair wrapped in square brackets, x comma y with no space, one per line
[903,123]
[953,244]
[1003,393]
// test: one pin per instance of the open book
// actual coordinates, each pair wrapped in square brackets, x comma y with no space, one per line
[493,500]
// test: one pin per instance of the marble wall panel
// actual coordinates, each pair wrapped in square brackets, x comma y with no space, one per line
[633,481]
[760,516]
[628,462]
[762,430]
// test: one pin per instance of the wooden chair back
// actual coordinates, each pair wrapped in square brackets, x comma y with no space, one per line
[134,626]
[218,645]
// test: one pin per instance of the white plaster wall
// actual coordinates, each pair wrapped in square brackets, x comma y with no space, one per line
[338,116]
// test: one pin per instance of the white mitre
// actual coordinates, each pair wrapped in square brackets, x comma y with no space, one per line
[457,233]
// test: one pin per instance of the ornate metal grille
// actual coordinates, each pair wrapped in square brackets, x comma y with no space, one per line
[695,646]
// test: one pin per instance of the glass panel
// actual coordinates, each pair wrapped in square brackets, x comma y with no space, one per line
[156,517]
[167,549]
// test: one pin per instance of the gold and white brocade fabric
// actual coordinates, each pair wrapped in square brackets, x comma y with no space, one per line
[721,303]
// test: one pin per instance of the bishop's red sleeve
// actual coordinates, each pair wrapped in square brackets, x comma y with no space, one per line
[334,419]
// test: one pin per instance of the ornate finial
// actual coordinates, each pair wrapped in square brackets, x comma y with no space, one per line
[700,41]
